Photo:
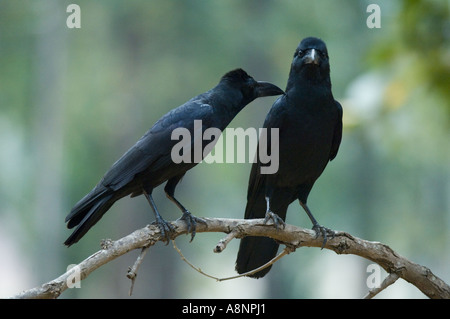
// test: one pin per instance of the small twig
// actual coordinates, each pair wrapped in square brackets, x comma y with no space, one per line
[285,251]
[132,271]
[187,262]
[389,280]
[222,244]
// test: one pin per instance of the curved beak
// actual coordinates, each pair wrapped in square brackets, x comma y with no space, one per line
[267,89]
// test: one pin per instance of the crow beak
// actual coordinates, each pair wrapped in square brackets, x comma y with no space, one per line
[311,57]
[267,89]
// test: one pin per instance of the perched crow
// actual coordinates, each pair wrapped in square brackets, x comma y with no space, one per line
[310,130]
[149,162]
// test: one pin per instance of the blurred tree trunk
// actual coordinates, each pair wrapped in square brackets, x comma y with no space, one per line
[161,268]
[367,170]
[49,62]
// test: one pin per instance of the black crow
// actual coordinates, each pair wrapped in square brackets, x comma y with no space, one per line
[310,131]
[149,162]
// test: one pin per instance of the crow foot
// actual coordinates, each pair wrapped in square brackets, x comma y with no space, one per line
[165,227]
[191,222]
[277,220]
[325,232]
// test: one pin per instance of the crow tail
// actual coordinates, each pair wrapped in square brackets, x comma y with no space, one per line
[87,212]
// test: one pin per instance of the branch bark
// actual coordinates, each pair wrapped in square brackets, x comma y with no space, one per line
[292,236]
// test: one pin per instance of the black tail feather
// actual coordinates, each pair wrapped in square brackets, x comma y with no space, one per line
[255,252]
[87,212]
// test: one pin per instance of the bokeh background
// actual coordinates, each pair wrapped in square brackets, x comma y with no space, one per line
[72,101]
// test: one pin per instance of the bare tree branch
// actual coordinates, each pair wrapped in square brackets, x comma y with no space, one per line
[389,280]
[292,236]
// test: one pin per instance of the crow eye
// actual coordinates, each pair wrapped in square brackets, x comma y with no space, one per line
[323,54]
[301,53]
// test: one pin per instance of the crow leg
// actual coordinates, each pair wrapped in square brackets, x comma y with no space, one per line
[165,227]
[277,220]
[325,232]
[187,217]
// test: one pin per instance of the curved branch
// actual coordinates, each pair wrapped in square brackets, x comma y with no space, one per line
[292,236]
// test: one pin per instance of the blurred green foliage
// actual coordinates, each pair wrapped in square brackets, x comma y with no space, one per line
[73,100]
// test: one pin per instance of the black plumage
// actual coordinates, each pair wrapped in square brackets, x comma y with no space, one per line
[149,162]
[310,131]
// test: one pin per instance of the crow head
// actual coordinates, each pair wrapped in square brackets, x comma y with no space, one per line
[311,60]
[249,88]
